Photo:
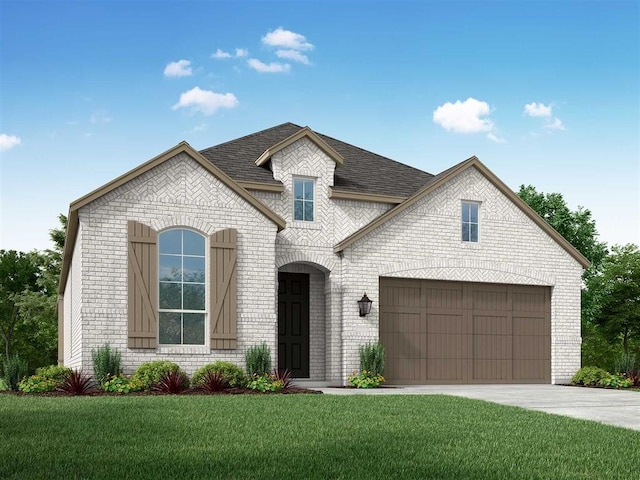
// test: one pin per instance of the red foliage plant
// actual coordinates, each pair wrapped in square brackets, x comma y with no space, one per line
[77,382]
[172,382]
[214,382]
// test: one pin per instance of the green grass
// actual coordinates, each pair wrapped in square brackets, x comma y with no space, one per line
[303,436]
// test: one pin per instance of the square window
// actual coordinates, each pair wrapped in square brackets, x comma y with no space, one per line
[470,222]
[303,199]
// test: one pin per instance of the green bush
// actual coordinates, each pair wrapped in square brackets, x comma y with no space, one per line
[149,373]
[589,376]
[15,369]
[233,374]
[106,363]
[616,381]
[37,384]
[258,360]
[3,385]
[121,384]
[365,379]
[53,372]
[372,358]
[265,383]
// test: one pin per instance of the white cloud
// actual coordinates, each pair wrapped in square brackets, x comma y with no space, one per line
[241,52]
[293,55]
[286,39]
[494,138]
[181,68]
[205,101]
[555,125]
[100,117]
[221,54]
[273,67]
[8,141]
[538,110]
[464,117]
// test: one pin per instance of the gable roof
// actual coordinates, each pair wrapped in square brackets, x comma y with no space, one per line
[182,147]
[444,177]
[361,172]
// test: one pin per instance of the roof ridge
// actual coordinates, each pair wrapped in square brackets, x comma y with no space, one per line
[250,135]
[374,153]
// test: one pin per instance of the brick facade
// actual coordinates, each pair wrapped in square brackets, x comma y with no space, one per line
[421,242]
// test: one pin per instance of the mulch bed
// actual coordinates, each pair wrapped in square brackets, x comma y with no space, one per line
[227,391]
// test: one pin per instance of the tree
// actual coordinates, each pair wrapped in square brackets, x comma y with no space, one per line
[618,290]
[19,273]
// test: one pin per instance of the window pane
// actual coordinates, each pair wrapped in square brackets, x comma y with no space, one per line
[297,210]
[170,268]
[473,212]
[308,190]
[298,188]
[308,211]
[171,241]
[465,232]
[169,329]
[465,212]
[193,269]
[193,296]
[193,329]
[170,296]
[473,232]
[193,243]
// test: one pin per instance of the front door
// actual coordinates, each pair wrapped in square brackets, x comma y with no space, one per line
[293,323]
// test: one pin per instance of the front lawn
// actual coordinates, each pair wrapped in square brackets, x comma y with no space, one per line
[302,436]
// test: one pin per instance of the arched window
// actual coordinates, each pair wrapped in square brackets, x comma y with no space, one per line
[182,288]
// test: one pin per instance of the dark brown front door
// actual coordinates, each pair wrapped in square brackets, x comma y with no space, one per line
[293,323]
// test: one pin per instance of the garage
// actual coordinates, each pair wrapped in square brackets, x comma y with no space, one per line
[438,332]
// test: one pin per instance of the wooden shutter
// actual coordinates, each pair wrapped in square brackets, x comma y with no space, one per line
[143,285]
[222,290]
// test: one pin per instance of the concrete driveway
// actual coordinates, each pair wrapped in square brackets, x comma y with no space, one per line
[613,407]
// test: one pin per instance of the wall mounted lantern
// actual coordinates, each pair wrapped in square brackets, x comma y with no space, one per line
[364,304]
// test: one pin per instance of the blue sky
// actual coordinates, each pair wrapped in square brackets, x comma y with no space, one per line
[544,93]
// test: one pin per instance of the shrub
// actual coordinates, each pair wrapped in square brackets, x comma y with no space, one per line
[625,363]
[365,379]
[121,384]
[589,376]
[172,382]
[258,360]
[37,384]
[106,363]
[265,383]
[3,385]
[372,358]
[616,381]
[149,373]
[15,369]
[284,376]
[233,374]
[78,382]
[53,372]
[213,381]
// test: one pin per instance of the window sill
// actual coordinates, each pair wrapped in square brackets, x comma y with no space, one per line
[184,350]
[315,225]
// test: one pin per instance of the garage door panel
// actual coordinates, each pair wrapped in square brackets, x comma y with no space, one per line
[456,332]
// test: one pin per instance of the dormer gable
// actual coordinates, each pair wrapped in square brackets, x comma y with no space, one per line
[304,132]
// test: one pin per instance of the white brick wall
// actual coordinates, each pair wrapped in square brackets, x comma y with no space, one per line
[177,193]
[424,242]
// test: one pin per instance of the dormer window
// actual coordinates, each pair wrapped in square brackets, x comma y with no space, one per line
[303,199]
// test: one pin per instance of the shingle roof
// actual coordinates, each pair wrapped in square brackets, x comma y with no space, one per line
[362,172]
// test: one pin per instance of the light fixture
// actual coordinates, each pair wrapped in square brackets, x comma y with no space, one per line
[364,304]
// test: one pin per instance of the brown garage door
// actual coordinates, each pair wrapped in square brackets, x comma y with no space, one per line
[460,332]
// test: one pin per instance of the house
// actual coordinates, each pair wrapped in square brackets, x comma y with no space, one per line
[194,256]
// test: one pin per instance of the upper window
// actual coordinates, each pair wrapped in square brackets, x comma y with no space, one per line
[303,199]
[182,288]
[469,222]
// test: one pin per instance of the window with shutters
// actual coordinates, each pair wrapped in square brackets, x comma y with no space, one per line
[182,287]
